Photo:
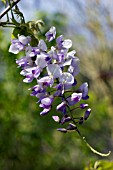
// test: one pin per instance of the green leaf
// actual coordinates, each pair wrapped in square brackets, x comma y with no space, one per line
[104,165]
[16,32]
[100,165]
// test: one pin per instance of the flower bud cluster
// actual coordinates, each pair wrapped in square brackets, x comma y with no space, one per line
[54,70]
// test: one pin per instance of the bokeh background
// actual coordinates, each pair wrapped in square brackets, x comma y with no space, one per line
[31,142]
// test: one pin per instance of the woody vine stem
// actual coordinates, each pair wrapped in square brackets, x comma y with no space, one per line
[8,9]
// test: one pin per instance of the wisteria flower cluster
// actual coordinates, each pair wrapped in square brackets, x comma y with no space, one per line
[54,70]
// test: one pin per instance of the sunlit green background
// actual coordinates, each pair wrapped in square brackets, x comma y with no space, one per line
[31,142]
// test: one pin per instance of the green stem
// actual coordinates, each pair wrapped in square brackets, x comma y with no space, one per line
[7,13]
[92,149]
[6,23]
[8,26]
[11,9]
[75,108]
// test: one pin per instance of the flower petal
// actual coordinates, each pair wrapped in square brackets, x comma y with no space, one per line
[54,70]
[56,118]
[50,35]
[42,45]
[76,97]
[41,60]
[67,43]
[87,113]
[66,78]
[45,111]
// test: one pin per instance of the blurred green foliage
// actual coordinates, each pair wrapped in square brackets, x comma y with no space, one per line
[100,165]
[31,142]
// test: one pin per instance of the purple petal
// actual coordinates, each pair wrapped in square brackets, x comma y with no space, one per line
[46,102]
[70,102]
[87,113]
[61,106]
[65,118]
[46,81]
[84,89]
[83,106]
[50,35]
[81,120]
[36,72]
[76,97]
[71,127]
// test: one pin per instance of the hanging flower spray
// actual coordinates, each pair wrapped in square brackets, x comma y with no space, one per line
[54,69]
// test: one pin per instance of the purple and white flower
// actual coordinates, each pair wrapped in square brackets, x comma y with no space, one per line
[63,43]
[66,78]
[50,35]
[84,90]
[46,81]
[19,44]
[46,104]
[62,107]
[76,97]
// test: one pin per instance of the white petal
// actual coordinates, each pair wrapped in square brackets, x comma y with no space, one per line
[76,95]
[40,61]
[42,45]
[46,101]
[53,30]
[56,118]
[28,80]
[24,40]
[14,49]
[23,72]
[74,71]
[66,78]
[71,69]
[71,54]
[54,70]
[67,43]
[45,111]
[66,63]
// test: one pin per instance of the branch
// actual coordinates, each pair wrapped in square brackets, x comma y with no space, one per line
[7,24]
[8,9]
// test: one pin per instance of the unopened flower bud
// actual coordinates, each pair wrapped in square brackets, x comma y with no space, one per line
[62,130]
[71,127]
[87,113]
